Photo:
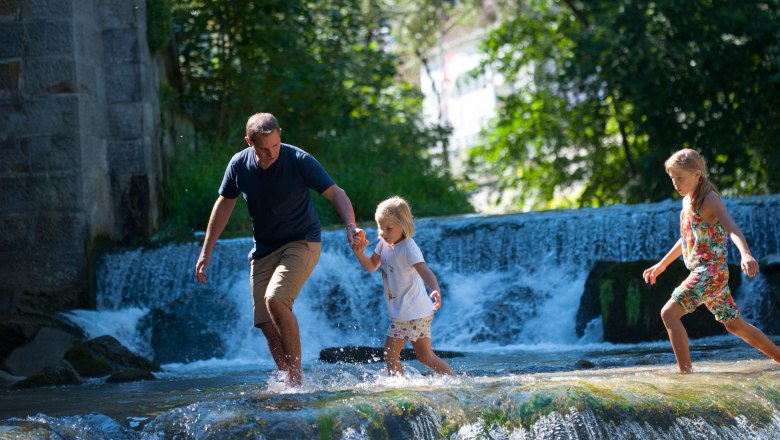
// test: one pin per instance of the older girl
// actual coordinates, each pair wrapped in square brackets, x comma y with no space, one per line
[705,226]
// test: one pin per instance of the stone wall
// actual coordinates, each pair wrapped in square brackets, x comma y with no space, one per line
[79,142]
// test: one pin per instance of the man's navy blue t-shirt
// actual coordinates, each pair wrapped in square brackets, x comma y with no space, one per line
[278,197]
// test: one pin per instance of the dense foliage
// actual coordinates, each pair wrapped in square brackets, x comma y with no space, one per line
[606,90]
[320,67]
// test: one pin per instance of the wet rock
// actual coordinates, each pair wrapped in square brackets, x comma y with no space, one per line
[130,375]
[61,373]
[8,379]
[630,308]
[190,328]
[105,355]
[584,364]
[45,350]
[366,355]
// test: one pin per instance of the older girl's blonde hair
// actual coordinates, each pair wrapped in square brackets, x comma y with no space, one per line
[690,160]
[397,209]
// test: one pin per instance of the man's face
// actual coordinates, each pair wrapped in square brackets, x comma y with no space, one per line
[266,148]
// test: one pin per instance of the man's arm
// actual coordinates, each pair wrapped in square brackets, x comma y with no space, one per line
[220,215]
[338,198]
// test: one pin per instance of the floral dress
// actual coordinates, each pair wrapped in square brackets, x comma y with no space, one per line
[704,253]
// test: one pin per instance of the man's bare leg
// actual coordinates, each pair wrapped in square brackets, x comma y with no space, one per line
[275,345]
[287,328]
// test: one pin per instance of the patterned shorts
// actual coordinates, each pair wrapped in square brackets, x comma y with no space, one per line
[711,288]
[411,330]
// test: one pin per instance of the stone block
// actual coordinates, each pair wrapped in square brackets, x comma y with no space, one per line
[54,153]
[123,83]
[11,117]
[28,194]
[10,73]
[60,231]
[125,157]
[121,46]
[50,8]
[12,36]
[14,157]
[46,37]
[120,14]
[57,275]
[9,10]
[125,120]
[49,75]
[17,233]
[88,41]
[50,114]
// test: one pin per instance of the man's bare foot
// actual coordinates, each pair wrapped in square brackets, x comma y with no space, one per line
[294,378]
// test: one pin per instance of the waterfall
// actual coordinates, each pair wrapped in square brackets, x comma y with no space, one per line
[508,281]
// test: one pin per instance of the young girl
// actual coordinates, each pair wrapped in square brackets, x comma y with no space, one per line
[705,226]
[403,273]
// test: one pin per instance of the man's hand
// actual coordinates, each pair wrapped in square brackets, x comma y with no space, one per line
[200,267]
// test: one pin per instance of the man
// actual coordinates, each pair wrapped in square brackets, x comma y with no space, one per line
[275,179]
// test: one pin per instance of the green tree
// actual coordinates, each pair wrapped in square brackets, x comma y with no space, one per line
[606,90]
[323,69]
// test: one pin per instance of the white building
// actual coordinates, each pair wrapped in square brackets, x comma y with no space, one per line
[455,95]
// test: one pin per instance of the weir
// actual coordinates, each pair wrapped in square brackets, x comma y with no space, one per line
[512,286]
[507,280]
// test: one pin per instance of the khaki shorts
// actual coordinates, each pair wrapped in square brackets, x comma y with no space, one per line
[281,275]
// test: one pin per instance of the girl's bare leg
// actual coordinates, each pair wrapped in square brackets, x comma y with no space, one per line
[426,356]
[754,337]
[671,314]
[393,348]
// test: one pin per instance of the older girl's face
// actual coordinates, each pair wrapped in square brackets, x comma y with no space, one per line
[684,181]
[389,230]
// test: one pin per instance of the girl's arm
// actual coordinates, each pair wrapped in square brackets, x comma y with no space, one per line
[713,211]
[369,264]
[652,273]
[430,280]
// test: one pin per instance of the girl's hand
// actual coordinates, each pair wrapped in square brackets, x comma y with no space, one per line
[652,273]
[749,265]
[436,296]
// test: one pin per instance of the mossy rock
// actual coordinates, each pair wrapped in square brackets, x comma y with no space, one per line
[105,355]
[87,363]
[590,303]
[630,308]
[61,373]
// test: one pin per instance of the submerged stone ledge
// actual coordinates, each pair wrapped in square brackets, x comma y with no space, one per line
[359,354]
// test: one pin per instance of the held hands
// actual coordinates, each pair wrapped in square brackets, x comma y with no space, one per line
[359,241]
[749,265]
[652,273]
[200,267]
[436,296]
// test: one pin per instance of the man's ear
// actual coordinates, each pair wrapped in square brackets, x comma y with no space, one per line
[248,141]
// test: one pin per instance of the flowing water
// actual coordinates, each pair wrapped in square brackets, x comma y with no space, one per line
[512,286]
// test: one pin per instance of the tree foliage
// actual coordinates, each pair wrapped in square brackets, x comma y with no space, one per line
[321,67]
[607,90]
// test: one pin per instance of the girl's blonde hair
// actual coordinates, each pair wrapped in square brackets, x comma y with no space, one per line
[397,209]
[691,161]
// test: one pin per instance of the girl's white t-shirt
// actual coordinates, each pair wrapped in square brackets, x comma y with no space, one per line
[405,293]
